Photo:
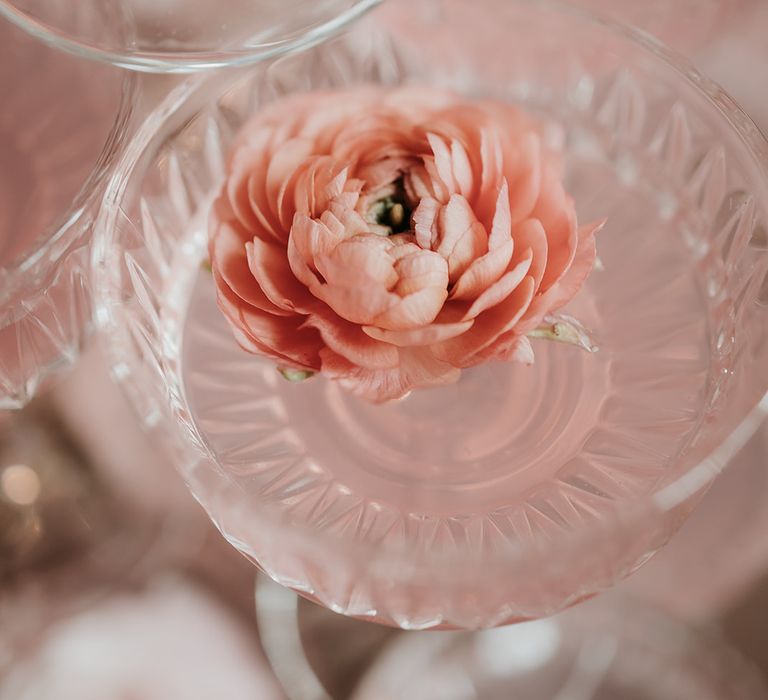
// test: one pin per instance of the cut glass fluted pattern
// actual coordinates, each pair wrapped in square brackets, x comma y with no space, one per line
[60,126]
[517,491]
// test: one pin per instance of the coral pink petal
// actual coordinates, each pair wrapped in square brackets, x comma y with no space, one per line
[565,289]
[250,344]
[261,207]
[417,368]
[525,178]
[230,304]
[501,228]
[280,327]
[286,206]
[582,265]
[419,270]
[462,169]
[311,191]
[490,177]
[311,239]
[229,265]
[501,289]
[418,185]
[358,274]
[349,340]
[428,335]
[383,172]
[344,221]
[335,186]
[300,268]
[556,213]
[354,305]
[488,327]
[282,335]
[530,234]
[462,237]
[284,162]
[269,266]
[245,160]
[510,347]
[240,203]
[362,260]
[443,164]
[412,311]
[482,273]
[425,222]
[304,187]
[562,241]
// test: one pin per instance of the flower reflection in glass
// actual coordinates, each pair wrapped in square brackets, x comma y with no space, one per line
[390,238]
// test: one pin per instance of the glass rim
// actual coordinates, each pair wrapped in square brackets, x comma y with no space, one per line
[184,61]
[662,499]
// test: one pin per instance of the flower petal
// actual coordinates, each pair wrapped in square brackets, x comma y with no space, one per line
[250,344]
[427,335]
[419,270]
[348,340]
[462,169]
[510,347]
[462,238]
[229,264]
[530,234]
[582,265]
[524,175]
[412,311]
[487,269]
[269,266]
[417,368]
[283,335]
[425,222]
[564,290]
[501,228]
[308,238]
[482,273]
[500,290]
[264,333]
[442,161]
[488,327]
[283,163]
[491,158]
[557,215]
[358,276]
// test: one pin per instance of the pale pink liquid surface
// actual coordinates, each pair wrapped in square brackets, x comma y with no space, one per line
[599,427]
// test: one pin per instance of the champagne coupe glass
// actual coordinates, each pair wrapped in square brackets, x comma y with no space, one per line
[61,124]
[614,647]
[598,651]
[182,35]
[518,491]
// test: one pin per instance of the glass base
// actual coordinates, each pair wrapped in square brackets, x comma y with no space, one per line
[602,650]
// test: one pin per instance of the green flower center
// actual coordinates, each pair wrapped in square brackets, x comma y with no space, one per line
[392,212]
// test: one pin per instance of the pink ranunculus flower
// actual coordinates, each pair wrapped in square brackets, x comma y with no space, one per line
[390,238]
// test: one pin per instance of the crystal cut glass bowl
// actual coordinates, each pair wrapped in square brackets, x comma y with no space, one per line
[61,125]
[182,35]
[519,490]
